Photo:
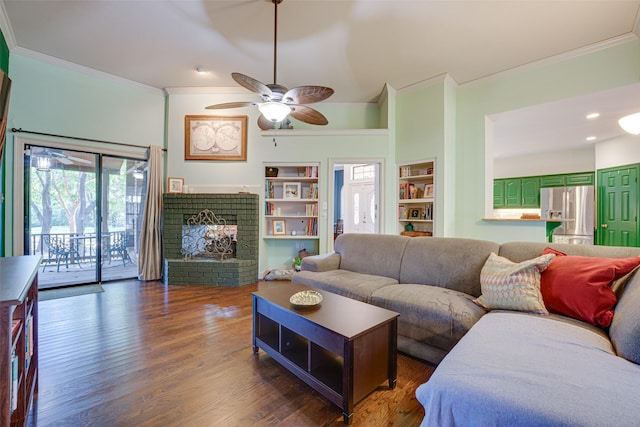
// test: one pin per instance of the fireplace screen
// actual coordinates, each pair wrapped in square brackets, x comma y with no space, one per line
[206,236]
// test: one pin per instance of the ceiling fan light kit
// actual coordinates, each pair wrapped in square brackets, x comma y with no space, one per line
[631,123]
[278,101]
[274,111]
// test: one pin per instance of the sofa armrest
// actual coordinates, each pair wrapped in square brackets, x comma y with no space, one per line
[318,263]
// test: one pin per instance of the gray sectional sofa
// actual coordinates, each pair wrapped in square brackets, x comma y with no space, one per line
[499,367]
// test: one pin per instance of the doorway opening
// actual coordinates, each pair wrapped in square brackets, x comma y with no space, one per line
[354,196]
[82,213]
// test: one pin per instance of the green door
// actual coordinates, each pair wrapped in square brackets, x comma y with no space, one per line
[618,206]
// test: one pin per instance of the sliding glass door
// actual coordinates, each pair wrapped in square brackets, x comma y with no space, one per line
[82,214]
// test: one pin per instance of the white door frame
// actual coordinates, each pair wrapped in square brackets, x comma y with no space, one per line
[331,196]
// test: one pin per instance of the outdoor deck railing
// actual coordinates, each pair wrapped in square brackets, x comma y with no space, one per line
[64,249]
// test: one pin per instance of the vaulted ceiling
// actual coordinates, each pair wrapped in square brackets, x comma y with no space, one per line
[353,46]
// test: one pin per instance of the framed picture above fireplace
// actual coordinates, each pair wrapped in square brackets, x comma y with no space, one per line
[215,138]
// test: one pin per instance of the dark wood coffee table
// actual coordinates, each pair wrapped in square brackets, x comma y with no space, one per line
[343,348]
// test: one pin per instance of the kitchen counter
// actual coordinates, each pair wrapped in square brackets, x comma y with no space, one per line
[528,219]
[551,224]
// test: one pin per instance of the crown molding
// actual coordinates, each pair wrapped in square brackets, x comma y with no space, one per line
[7,29]
[324,132]
[222,90]
[575,53]
[84,70]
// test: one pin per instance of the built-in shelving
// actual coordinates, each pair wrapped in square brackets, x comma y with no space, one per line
[19,340]
[416,196]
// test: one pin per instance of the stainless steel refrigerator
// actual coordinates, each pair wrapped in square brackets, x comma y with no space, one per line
[575,206]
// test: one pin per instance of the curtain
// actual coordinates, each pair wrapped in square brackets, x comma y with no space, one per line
[150,263]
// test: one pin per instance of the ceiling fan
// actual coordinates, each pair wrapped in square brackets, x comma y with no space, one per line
[43,158]
[278,101]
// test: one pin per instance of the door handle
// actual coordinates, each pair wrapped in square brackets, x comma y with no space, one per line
[604,226]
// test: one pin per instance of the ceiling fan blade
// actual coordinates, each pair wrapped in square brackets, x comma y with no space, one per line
[79,160]
[307,94]
[264,123]
[63,160]
[229,105]
[308,115]
[253,85]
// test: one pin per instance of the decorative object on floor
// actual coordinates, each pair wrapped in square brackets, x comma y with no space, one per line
[280,102]
[215,137]
[70,291]
[175,185]
[306,299]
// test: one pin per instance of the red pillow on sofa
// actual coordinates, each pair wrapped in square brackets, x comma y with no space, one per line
[580,287]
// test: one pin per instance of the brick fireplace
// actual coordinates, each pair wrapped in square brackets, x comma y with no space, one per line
[237,208]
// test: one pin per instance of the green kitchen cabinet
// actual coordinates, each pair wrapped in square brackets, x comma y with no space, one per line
[569,180]
[513,192]
[552,181]
[498,193]
[575,179]
[530,188]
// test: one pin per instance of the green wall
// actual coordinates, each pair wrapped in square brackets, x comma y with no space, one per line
[4,65]
[352,133]
[601,70]
[72,101]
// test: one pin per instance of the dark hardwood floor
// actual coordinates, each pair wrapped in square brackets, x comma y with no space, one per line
[146,354]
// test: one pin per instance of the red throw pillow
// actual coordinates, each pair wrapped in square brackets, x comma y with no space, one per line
[580,287]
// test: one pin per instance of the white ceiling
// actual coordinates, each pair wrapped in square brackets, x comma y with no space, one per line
[353,46]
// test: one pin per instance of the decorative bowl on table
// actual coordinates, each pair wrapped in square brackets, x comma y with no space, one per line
[306,299]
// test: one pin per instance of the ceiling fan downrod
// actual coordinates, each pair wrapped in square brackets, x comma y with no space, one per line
[275,39]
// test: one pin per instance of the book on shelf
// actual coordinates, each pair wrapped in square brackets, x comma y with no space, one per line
[268,190]
[311,209]
[15,326]
[14,381]
[312,191]
[312,227]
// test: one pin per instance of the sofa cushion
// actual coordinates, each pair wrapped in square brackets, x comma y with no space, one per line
[429,314]
[452,263]
[513,286]
[342,282]
[625,327]
[580,287]
[374,254]
[521,251]
[517,369]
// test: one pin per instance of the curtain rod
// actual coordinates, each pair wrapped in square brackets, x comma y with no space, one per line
[20,130]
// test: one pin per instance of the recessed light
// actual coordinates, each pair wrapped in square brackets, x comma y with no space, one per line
[200,69]
[592,116]
[591,138]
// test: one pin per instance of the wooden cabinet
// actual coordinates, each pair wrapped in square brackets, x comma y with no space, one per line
[569,180]
[416,196]
[498,193]
[575,179]
[524,192]
[512,192]
[552,181]
[530,192]
[19,341]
